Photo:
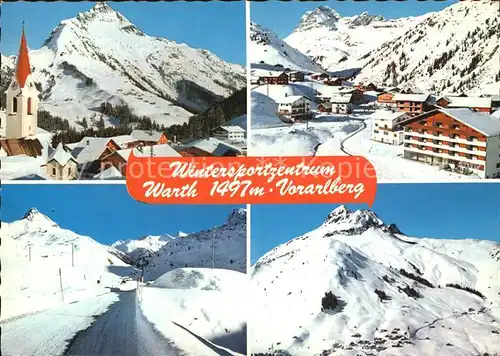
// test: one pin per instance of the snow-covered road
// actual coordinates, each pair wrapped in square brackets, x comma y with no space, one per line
[111,324]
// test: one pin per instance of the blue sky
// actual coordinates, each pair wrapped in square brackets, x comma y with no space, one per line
[106,212]
[290,12]
[419,210]
[216,26]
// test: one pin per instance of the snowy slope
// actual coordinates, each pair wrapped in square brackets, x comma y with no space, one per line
[100,56]
[141,251]
[33,285]
[353,255]
[205,302]
[453,50]
[338,42]
[195,250]
[266,48]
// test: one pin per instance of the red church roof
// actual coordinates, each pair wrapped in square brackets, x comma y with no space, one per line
[23,68]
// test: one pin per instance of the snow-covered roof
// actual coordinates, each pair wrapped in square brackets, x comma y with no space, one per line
[419,98]
[388,115]
[340,99]
[164,150]
[60,155]
[124,139]
[71,146]
[89,149]
[272,74]
[290,99]
[232,128]
[146,135]
[109,173]
[469,102]
[482,122]
[214,146]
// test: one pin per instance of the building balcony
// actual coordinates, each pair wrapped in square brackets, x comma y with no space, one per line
[444,155]
[446,138]
[431,145]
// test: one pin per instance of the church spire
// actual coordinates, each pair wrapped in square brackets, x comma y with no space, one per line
[23,68]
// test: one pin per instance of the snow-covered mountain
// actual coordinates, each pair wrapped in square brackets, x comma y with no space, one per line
[267,50]
[195,250]
[337,42]
[453,50]
[390,293]
[35,250]
[100,56]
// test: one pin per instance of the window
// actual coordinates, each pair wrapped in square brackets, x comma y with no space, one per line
[29,107]
[69,171]
[53,171]
[14,105]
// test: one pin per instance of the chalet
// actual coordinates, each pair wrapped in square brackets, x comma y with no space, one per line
[149,137]
[476,104]
[386,98]
[325,107]
[231,133]
[119,158]
[92,149]
[369,87]
[294,107]
[212,147]
[412,103]
[296,76]
[276,78]
[334,82]
[387,127]
[341,104]
[61,165]
[319,76]
[20,146]
[458,139]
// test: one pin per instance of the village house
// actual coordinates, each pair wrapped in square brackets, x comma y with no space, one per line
[294,107]
[476,104]
[458,139]
[386,99]
[412,103]
[20,119]
[369,87]
[90,151]
[324,107]
[387,128]
[61,165]
[231,133]
[119,158]
[296,76]
[149,137]
[126,141]
[337,82]
[319,76]
[341,104]
[276,78]
[212,147]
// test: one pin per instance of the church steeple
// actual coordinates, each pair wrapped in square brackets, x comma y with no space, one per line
[23,68]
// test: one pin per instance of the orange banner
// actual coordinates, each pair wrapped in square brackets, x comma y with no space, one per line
[251,180]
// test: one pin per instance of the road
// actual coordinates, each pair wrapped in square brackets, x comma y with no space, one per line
[111,324]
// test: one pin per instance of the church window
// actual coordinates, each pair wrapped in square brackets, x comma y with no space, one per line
[14,105]
[29,107]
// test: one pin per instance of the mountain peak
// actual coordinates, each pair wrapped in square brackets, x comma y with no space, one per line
[365,19]
[35,216]
[322,16]
[101,6]
[342,219]
[237,217]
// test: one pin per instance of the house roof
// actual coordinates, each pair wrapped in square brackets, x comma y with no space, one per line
[482,122]
[89,149]
[273,74]
[469,102]
[146,135]
[388,115]
[124,139]
[326,105]
[22,146]
[109,173]
[60,155]
[345,99]
[213,146]
[419,98]
[164,150]
[290,99]
[232,128]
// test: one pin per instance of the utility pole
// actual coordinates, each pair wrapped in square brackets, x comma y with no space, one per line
[60,283]
[213,249]
[29,249]
[72,255]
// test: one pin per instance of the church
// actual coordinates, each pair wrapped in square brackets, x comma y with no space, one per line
[19,120]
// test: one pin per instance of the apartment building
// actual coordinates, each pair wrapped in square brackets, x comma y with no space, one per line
[457,139]
[387,127]
[412,103]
